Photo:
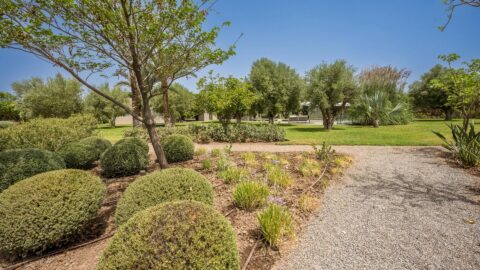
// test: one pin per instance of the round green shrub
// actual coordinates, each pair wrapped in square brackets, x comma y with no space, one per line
[166,185]
[137,141]
[123,159]
[78,155]
[173,235]
[47,210]
[18,164]
[178,148]
[100,144]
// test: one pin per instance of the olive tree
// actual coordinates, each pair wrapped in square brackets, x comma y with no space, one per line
[330,87]
[103,109]
[90,36]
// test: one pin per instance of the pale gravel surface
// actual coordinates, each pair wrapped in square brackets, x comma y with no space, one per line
[396,208]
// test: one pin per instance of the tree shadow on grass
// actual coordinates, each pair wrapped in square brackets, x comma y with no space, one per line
[313,129]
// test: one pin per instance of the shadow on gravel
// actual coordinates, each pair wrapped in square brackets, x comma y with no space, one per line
[413,193]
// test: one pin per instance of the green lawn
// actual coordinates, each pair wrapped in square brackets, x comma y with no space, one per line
[416,133]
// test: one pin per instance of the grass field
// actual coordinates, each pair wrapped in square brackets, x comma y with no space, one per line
[416,133]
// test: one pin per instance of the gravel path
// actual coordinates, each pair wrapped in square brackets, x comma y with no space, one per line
[396,208]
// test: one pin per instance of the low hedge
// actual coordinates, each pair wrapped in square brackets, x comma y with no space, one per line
[48,134]
[178,148]
[122,159]
[47,210]
[78,155]
[158,187]
[100,144]
[173,235]
[18,164]
[137,141]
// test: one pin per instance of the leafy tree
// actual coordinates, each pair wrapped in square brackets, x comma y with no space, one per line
[463,86]
[8,110]
[91,36]
[452,5]
[103,109]
[385,83]
[277,86]
[427,97]
[227,97]
[330,87]
[57,97]
[182,104]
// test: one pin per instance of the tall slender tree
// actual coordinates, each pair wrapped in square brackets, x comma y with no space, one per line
[91,36]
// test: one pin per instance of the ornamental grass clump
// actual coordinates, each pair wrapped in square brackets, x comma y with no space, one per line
[276,176]
[48,210]
[18,164]
[233,174]
[166,185]
[78,155]
[178,148]
[173,235]
[276,223]
[310,167]
[250,195]
[250,159]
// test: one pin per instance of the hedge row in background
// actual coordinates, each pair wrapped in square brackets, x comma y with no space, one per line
[173,235]
[48,134]
[126,157]
[18,164]
[47,210]
[158,187]
[215,133]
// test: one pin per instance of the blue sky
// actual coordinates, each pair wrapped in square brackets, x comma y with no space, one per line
[303,33]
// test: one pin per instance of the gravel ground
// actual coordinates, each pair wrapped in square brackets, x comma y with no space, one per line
[396,208]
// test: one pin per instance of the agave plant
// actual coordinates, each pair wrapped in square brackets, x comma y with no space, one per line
[465,145]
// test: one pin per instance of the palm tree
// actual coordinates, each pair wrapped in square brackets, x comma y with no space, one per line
[376,108]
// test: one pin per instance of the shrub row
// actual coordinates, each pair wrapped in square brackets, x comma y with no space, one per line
[47,210]
[48,134]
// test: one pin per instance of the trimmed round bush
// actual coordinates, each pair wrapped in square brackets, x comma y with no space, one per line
[173,235]
[18,164]
[178,148]
[78,155]
[123,159]
[137,141]
[100,144]
[166,185]
[47,210]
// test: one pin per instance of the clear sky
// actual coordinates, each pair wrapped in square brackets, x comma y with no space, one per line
[303,33]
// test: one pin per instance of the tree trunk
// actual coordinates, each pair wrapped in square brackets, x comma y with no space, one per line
[239,119]
[466,121]
[112,121]
[328,120]
[166,105]
[136,100]
[376,123]
[448,114]
[152,133]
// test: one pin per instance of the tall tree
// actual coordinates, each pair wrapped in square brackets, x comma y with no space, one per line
[425,96]
[182,104]
[100,36]
[452,5]
[463,84]
[103,109]
[330,87]
[278,87]
[57,97]
[228,98]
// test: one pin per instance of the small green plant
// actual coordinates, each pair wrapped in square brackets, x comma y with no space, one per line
[325,152]
[250,159]
[200,152]
[308,203]
[250,195]
[310,167]
[228,149]
[275,224]
[276,176]
[223,163]
[233,175]
[207,164]
[215,153]
[465,145]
